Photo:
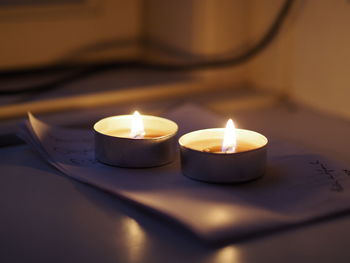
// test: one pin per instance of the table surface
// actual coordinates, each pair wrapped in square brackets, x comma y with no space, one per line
[47,217]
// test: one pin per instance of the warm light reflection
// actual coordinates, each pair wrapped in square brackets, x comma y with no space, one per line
[134,240]
[220,216]
[229,141]
[137,130]
[226,254]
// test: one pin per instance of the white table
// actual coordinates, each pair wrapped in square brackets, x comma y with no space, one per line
[47,217]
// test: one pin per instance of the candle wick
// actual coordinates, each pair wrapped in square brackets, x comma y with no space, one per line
[138,136]
[229,149]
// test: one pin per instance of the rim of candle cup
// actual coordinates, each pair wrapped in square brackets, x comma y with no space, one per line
[183,137]
[174,127]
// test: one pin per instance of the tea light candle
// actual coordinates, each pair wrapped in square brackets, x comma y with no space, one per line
[223,155]
[135,141]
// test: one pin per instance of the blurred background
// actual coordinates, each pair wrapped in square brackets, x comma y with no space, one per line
[278,67]
[84,56]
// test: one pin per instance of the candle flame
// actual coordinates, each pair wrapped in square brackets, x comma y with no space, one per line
[229,142]
[137,130]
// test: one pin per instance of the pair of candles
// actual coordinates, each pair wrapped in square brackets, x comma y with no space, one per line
[220,155]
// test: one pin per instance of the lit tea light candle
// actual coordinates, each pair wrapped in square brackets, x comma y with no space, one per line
[223,155]
[135,140]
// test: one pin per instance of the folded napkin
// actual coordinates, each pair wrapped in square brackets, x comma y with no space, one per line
[296,188]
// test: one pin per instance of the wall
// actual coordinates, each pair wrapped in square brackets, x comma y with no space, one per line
[197,29]
[44,34]
[311,59]
[272,69]
[322,56]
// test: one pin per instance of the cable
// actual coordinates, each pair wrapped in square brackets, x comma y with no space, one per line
[235,60]
[82,73]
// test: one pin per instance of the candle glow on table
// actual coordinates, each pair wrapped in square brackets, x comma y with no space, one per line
[135,140]
[223,155]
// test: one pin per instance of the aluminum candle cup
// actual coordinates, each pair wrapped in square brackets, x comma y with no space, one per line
[202,158]
[115,146]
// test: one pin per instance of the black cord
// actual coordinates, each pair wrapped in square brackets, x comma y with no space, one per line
[80,74]
[268,37]
[235,60]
